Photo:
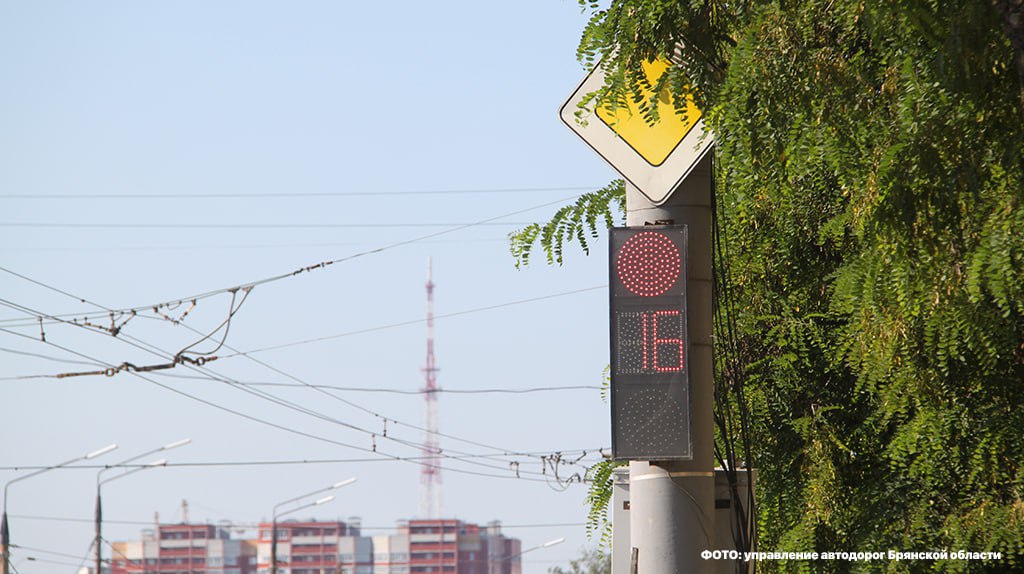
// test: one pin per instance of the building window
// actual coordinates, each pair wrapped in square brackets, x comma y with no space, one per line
[314,546]
[422,543]
[314,531]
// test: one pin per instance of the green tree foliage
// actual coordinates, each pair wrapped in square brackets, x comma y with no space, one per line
[580,222]
[870,168]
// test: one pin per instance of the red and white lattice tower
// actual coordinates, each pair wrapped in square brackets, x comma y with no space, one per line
[430,473]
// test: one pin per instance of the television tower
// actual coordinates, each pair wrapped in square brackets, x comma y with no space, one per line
[430,471]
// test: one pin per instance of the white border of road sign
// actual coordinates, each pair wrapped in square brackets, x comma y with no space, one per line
[656,182]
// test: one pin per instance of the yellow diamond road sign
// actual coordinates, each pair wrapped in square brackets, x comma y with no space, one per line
[655,158]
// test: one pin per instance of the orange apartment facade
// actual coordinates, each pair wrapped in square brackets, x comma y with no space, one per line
[184,549]
[432,546]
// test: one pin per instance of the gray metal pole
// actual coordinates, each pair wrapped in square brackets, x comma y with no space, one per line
[5,540]
[672,503]
[273,547]
[99,532]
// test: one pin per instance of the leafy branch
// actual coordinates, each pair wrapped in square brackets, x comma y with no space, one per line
[581,222]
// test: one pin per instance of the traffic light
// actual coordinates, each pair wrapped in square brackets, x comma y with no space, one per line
[650,385]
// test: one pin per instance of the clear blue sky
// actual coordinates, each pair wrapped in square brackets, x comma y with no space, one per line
[193,110]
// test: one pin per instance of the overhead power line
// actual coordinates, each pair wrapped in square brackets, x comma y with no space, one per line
[593,453]
[288,429]
[408,391]
[307,268]
[47,357]
[414,321]
[135,370]
[233,524]
[555,460]
[384,418]
[80,318]
[237,246]
[387,225]
[177,196]
[21,547]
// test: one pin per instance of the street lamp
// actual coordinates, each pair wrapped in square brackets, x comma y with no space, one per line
[27,558]
[548,544]
[5,534]
[44,561]
[276,514]
[100,482]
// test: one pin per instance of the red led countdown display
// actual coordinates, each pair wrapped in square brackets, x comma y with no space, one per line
[649,345]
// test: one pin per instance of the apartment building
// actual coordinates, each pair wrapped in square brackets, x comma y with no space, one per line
[314,548]
[184,549]
[444,546]
[434,546]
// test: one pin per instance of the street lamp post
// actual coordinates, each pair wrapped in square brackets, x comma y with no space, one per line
[276,514]
[99,483]
[5,533]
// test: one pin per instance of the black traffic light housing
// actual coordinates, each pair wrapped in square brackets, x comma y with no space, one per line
[650,383]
